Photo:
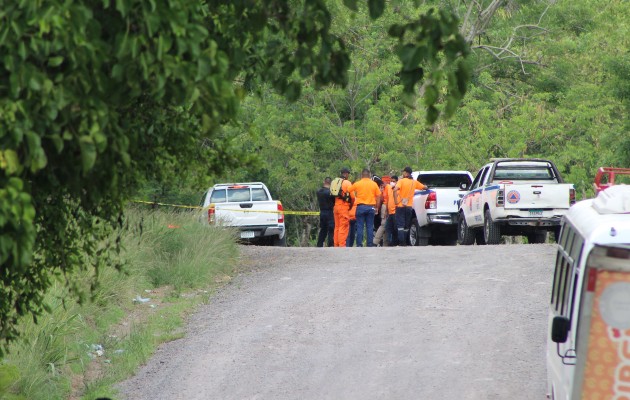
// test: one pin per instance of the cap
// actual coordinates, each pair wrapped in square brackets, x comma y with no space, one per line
[377,179]
[345,170]
[408,170]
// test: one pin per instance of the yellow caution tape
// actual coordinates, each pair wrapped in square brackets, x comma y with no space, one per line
[165,204]
[285,212]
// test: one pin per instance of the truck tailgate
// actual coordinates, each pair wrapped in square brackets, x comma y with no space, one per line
[251,213]
[537,196]
[447,199]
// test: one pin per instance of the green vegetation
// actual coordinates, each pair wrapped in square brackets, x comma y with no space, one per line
[548,79]
[170,254]
[99,98]
[103,101]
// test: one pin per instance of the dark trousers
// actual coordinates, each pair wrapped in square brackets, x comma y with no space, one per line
[352,231]
[391,231]
[326,228]
[403,222]
[365,217]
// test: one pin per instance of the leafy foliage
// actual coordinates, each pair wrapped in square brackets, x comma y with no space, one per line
[548,80]
[98,97]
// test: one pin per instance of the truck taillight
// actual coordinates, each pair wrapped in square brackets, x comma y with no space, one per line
[211,215]
[431,202]
[280,213]
[571,197]
[500,198]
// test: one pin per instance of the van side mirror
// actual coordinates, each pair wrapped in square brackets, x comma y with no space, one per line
[560,327]
[463,186]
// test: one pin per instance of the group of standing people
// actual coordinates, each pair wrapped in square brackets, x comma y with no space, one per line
[358,203]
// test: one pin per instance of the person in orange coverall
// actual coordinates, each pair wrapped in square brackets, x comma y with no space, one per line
[403,196]
[341,210]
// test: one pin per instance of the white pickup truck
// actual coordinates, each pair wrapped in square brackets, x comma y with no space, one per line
[249,208]
[514,197]
[435,209]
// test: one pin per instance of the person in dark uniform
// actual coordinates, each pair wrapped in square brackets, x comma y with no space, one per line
[326,218]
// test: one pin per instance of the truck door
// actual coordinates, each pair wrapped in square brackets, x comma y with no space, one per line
[477,198]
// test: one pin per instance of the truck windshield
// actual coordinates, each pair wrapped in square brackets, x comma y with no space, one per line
[444,180]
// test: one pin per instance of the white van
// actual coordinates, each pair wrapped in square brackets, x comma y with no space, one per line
[602,221]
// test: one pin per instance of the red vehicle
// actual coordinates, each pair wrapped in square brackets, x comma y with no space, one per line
[606,176]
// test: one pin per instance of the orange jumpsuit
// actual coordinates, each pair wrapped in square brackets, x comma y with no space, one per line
[341,212]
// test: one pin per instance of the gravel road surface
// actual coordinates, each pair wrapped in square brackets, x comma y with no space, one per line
[365,323]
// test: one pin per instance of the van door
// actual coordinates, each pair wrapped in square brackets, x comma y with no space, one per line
[603,341]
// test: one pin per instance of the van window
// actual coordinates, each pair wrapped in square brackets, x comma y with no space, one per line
[217,196]
[567,262]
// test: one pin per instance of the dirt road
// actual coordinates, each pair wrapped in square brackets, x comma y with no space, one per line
[381,323]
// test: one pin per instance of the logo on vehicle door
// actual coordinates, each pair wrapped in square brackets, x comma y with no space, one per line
[513,197]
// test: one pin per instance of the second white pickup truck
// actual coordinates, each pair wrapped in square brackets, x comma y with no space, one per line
[514,197]
[436,209]
[249,208]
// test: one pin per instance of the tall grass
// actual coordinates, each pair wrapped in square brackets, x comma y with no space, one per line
[160,249]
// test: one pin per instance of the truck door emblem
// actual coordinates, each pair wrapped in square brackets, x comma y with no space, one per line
[513,197]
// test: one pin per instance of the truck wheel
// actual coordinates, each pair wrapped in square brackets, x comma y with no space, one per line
[537,237]
[465,235]
[280,242]
[414,235]
[491,230]
[479,239]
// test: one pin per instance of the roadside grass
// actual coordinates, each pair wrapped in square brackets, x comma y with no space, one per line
[79,351]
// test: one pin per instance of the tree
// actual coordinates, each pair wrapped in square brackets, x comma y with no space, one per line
[97,96]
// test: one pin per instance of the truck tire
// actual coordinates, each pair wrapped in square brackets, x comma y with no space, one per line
[280,242]
[465,235]
[414,235]
[479,239]
[537,237]
[491,230]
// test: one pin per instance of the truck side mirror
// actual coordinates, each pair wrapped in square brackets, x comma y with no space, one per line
[463,186]
[560,329]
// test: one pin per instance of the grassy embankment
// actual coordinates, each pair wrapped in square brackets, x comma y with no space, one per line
[170,259]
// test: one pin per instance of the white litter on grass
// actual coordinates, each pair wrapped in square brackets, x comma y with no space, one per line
[96,350]
[141,300]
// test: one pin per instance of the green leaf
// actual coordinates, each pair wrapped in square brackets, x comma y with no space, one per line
[88,152]
[121,6]
[396,30]
[430,95]
[376,7]
[432,114]
[292,92]
[10,162]
[351,4]
[55,61]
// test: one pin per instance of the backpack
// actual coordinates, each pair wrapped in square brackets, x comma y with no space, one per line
[335,189]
